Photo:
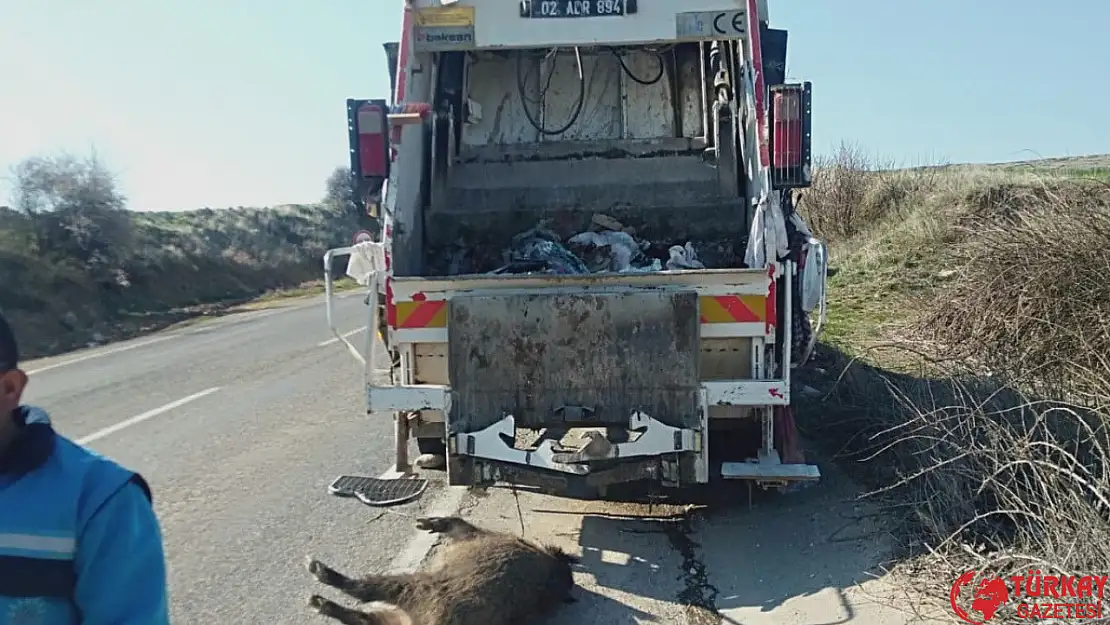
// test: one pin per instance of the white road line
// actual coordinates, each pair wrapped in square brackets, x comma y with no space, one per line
[150,414]
[107,352]
[344,335]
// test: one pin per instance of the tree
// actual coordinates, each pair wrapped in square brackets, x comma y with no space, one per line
[340,190]
[75,209]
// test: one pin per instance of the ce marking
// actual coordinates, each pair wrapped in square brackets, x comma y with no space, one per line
[737,23]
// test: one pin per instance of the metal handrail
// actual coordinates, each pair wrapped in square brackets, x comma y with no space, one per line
[329,294]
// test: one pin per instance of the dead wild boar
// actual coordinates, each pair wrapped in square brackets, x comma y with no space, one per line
[478,577]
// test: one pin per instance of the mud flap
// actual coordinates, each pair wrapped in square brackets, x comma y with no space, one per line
[786,437]
[564,359]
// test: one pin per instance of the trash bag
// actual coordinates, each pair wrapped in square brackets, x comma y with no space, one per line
[539,251]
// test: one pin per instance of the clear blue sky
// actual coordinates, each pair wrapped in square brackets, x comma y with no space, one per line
[241,102]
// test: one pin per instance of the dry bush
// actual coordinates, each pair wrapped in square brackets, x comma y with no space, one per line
[1032,299]
[840,185]
[851,192]
[984,478]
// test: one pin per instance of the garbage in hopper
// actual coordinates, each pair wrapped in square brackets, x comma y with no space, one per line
[608,247]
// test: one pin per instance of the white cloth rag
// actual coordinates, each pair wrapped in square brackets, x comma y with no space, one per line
[367,259]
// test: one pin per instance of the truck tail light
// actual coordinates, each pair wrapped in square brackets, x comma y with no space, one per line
[790,136]
[373,155]
[368,137]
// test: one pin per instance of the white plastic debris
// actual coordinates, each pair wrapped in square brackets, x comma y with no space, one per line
[813,276]
[623,248]
[683,257]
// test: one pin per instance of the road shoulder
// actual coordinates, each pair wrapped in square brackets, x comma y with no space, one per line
[809,557]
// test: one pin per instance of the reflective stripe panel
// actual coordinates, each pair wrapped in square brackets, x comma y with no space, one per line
[426,314]
[733,308]
[32,546]
[36,577]
[34,565]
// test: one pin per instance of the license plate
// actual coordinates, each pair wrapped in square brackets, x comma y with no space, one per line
[576,8]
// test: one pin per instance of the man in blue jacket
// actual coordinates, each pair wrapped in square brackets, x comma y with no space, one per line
[79,542]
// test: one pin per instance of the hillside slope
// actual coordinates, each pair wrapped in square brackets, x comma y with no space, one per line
[964,372]
[174,265]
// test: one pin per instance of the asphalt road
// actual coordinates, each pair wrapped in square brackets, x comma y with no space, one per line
[240,423]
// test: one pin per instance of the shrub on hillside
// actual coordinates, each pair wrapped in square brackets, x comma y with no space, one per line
[73,212]
[339,190]
[75,263]
[1033,298]
[850,192]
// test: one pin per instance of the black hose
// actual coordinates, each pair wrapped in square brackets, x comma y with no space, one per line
[634,77]
[524,83]
[521,88]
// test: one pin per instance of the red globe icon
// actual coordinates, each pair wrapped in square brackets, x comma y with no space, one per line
[990,594]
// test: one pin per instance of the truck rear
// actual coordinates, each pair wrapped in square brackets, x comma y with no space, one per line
[592,264]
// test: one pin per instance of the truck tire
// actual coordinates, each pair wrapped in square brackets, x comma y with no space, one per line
[432,445]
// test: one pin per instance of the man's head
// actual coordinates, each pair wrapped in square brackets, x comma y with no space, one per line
[12,380]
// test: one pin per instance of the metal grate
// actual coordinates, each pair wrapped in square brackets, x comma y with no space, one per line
[374,491]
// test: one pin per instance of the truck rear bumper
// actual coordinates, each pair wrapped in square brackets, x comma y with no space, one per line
[656,451]
[653,439]
[716,393]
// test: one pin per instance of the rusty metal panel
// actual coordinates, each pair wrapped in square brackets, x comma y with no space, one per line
[573,358]
[691,91]
[600,116]
[552,89]
[492,83]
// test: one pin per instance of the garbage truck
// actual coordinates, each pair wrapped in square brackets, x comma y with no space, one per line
[590,265]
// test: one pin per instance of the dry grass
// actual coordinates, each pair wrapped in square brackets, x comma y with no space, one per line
[1032,299]
[967,379]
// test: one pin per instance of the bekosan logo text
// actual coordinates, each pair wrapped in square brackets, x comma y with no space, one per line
[445,37]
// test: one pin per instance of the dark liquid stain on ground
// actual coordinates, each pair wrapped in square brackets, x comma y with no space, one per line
[698,596]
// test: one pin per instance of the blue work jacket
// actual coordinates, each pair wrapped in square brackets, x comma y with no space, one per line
[79,542]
